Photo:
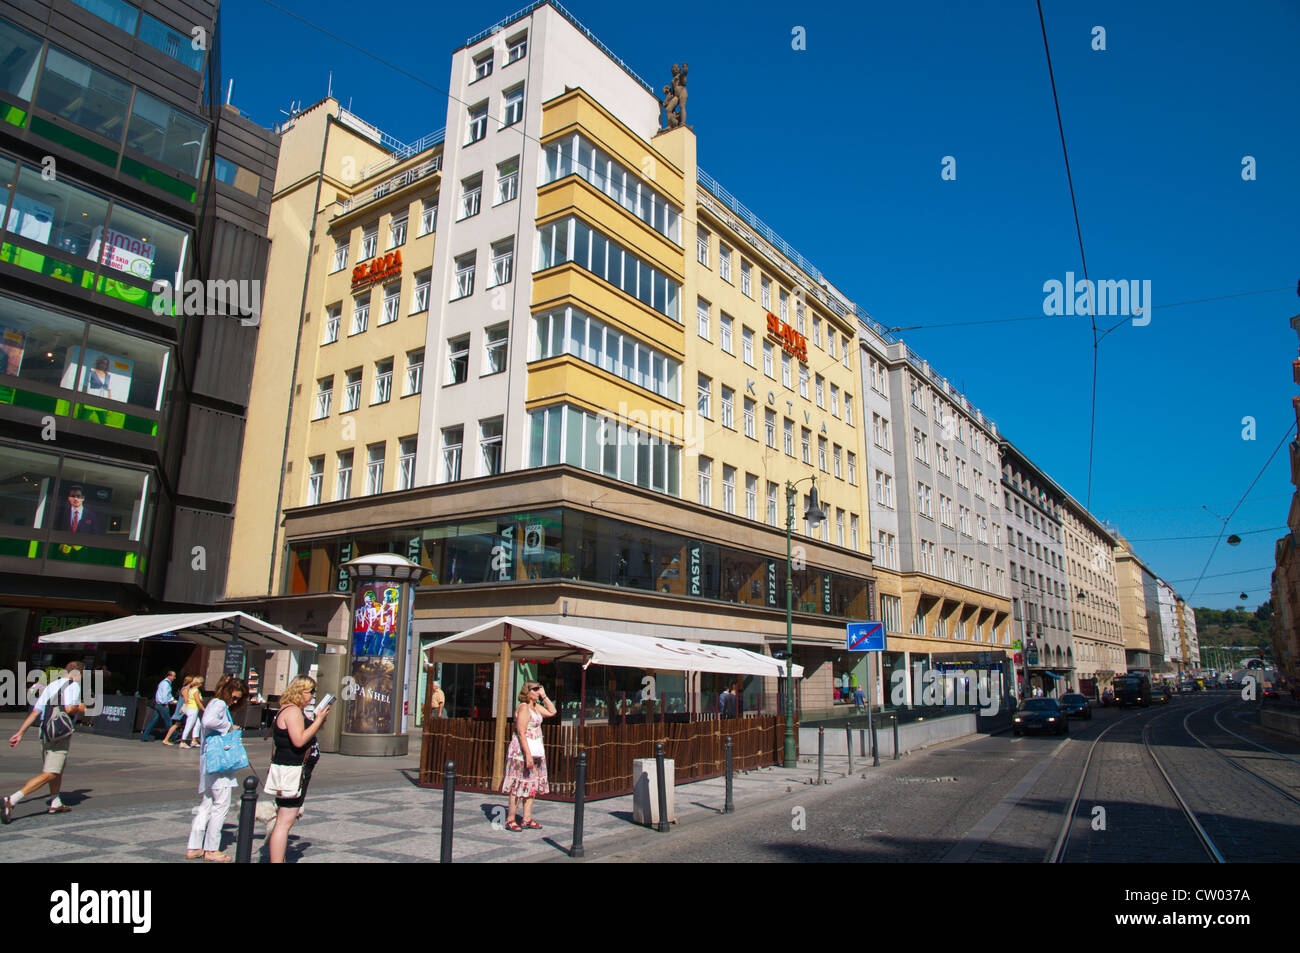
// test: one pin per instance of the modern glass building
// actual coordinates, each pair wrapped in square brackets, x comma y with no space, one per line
[122,178]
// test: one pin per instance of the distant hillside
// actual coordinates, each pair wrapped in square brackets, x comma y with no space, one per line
[1234,627]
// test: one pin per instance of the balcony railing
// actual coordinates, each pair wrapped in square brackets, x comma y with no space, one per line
[428,167]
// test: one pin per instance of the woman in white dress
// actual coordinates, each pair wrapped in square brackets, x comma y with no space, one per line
[205,834]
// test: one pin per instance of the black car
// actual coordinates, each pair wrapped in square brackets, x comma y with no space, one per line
[1076,706]
[1040,714]
[1160,695]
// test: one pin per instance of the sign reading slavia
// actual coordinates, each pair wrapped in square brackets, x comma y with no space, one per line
[377,269]
[791,341]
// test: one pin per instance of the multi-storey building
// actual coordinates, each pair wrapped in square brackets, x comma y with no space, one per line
[1191,648]
[1033,511]
[133,248]
[599,373]
[1094,596]
[1286,575]
[1139,606]
[1167,601]
[936,515]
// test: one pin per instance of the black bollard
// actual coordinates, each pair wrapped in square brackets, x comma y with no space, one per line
[663,787]
[821,753]
[848,740]
[862,742]
[728,807]
[875,746]
[895,736]
[579,803]
[247,821]
[448,809]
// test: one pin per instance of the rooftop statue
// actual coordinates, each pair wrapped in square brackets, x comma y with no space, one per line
[674,101]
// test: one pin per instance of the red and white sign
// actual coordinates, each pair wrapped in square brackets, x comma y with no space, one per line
[118,250]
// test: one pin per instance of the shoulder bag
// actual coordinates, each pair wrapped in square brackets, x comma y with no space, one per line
[285,780]
[57,723]
[225,753]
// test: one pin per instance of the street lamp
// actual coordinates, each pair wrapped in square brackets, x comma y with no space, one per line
[814,516]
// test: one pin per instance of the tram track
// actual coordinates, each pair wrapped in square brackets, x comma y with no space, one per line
[1236,763]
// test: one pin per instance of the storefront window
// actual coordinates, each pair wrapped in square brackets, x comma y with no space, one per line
[57,214]
[170,136]
[115,502]
[39,346]
[83,95]
[27,488]
[19,52]
[123,368]
[144,246]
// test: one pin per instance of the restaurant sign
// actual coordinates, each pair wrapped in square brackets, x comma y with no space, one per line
[377,269]
[791,341]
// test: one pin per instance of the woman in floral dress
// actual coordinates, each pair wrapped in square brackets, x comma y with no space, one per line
[526,759]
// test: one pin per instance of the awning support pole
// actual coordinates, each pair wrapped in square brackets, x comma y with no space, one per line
[503,712]
[582,695]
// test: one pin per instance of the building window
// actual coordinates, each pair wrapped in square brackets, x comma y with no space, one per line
[880,431]
[819,391]
[374,469]
[847,356]
[785,370]
[728,489]
[340,255]
[766,293]
[803,381]
[703,319]
[324,394]
[805,443]
[482,66]
[747,346]
[789,437]
[771,503]
[507,180]
[428,216]
[839,527]
[724,325]
[570,239]
[495,344]
[924,503]
[369,243]
[702,246]
[392,295]
[333,318]
[745,287]
[465,276]
[414,372]
[884,489]
[397,232]
[489,443]
[848,409]
[749,419]
[420,296]
[343,483]
[817,331]
[383,381]
[706,481]
[458,360]
[769,427]
[471,196]
[835,401]
[822,462]
[836,458]
[920,447]
[503,259]
[767,360]
[360,314]
[477,123]
[512,106]
[516,48]
[853,538]
[704,397]
[352,392]
[406,463]
[453,439]
[315,477]
[728,408]
[724,262]
[569,331]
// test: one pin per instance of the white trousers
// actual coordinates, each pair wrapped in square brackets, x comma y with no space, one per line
[191,725]
[205,834]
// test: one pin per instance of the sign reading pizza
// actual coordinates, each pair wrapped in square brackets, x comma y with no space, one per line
[791,341]
[377,269]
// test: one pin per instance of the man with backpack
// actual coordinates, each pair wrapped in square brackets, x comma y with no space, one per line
[57,706]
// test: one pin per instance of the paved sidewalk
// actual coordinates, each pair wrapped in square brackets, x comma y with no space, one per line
[134,803]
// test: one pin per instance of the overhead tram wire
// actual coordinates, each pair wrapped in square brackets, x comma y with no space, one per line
[1224,528]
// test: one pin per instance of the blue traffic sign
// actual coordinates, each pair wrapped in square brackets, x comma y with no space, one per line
[866,637]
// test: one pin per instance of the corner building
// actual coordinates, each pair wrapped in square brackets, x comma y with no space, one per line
[120,168]
[598,372]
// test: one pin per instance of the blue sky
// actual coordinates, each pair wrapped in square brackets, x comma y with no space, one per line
[839,147]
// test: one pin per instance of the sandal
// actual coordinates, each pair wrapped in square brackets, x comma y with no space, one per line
[218,857]
[532,825]
[61,809]
[513,826]
[193,854]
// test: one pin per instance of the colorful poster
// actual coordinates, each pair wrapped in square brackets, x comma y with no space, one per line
[374,619]
[12,343]
[370,710]
[99,375]
[31,219]
[119,250]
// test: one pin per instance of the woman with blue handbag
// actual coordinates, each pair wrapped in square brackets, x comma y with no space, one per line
[220,759]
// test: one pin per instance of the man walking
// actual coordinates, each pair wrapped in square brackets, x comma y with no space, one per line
[859,699]
[162,699]
[437,701]
[65,692]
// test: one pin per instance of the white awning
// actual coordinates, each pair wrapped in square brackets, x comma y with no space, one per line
[211,629]
[551,641]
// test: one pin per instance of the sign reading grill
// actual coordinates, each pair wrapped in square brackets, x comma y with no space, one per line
[377,269]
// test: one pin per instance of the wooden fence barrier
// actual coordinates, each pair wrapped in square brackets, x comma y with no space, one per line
[695,747]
